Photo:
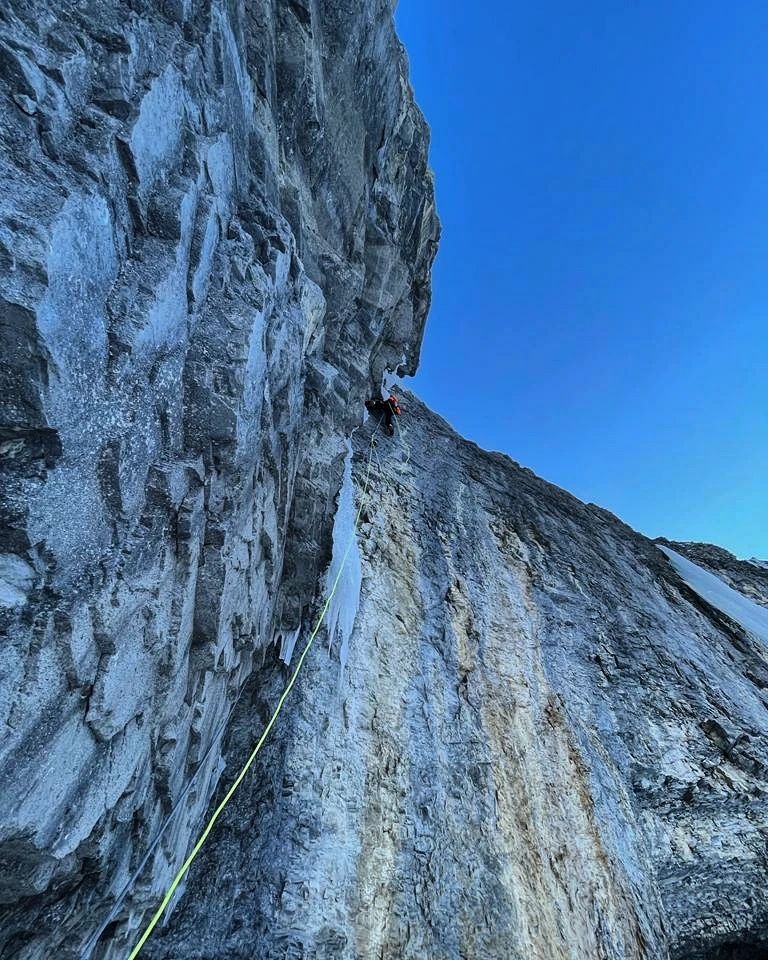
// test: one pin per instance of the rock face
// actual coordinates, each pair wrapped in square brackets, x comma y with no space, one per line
[546,745]
[537,742]
[216,233]
[749,577]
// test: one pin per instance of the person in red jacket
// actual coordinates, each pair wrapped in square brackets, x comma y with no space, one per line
[389,407]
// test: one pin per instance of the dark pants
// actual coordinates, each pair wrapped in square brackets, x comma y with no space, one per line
[382,406]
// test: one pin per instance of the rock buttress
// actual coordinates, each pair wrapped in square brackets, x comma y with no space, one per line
[216,232]
[545,746]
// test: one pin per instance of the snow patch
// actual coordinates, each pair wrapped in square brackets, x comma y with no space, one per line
[390,380]
[313,309]
[255,386]
[220,164]
[210,242]
[167,318]
[238,100]
[345,570]
[156,134]
[711,588]
[16,578]
[82,265]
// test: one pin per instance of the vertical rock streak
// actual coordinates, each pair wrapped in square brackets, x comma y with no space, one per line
[545,745]
[216,233]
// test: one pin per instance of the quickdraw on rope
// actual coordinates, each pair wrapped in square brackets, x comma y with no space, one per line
[249,762]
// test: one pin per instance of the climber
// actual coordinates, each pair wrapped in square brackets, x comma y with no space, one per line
[388,407]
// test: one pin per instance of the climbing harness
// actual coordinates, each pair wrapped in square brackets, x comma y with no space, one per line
[249,762]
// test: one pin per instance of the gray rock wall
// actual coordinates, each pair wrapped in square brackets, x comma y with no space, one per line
[216,231]
[546,746]
[749,577]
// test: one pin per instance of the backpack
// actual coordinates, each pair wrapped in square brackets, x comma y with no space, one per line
[394,404]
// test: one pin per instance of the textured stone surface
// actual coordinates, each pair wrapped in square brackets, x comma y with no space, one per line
[216,231]
[545,746]
[749,577]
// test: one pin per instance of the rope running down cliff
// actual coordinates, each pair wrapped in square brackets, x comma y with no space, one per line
[112,915]
[238,780]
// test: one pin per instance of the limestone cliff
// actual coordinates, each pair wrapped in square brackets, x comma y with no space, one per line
[216,232]
[540,735]
[546,745]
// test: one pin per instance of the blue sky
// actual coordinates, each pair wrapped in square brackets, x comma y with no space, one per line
[600,305]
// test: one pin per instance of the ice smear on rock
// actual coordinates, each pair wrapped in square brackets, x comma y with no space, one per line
[390,380]
[288,644]
[749,614]
[210,248]
[345,566]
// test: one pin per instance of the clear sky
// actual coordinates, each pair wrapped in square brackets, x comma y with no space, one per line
[600,302]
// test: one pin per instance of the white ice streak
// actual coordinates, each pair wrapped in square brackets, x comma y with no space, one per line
[287,645]
[346,566]
[390,380]
[746,612]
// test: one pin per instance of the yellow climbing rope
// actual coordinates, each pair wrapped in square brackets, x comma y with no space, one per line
[238,780]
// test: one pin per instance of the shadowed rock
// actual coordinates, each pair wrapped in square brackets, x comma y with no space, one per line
[212,224]
[545,745]
[216,233]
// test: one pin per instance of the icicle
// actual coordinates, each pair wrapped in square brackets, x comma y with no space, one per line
[346,600]
[287,644]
